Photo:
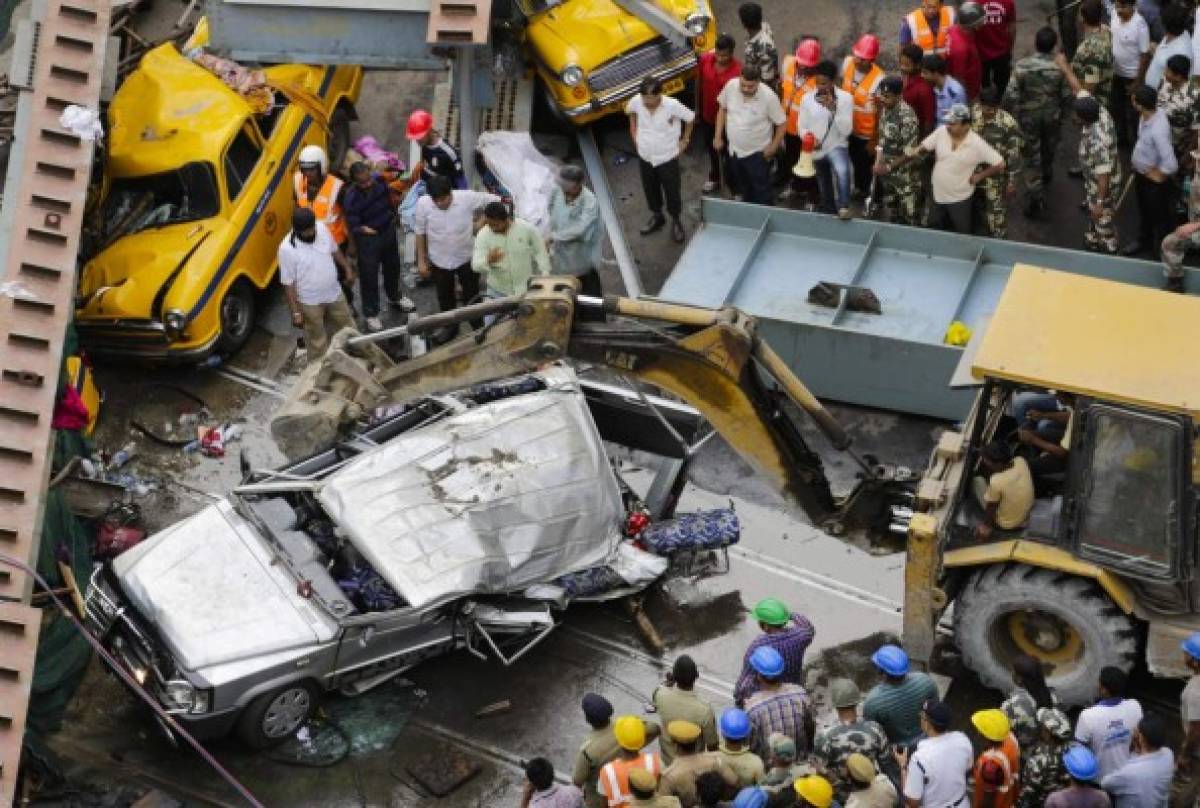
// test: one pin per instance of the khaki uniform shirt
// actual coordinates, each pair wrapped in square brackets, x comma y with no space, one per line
[881,794]
[746,765]
[598,748]
[655,802]
[679,779]
[674,704]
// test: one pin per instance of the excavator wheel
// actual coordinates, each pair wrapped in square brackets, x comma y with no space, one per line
[1065,621]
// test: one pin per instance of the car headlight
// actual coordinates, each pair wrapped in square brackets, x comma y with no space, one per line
[175,321]
[696,24]
[571,75]
[179,695]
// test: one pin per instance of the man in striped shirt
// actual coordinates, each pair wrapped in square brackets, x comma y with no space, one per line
[777,706]
[791,641]
[895,703]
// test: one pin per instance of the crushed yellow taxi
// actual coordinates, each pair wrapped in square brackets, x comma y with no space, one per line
[591,55]
[196,196]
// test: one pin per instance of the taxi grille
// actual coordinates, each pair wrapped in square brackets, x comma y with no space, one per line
[634,64]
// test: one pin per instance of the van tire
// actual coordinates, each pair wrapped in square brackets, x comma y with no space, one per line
[273,717]
[1003,600]
[237,311]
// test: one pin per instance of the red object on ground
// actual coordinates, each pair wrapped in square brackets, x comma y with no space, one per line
[994,37]
[114,539]
[636,523]
[962,60]
[69,411]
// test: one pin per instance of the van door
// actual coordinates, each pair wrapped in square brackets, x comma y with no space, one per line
[396,639]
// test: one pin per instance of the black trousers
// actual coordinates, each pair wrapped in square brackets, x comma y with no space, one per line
[661,181]
[955,217]
[1156,211]
[861,160]
[996,72]
[1125,117]
[754,178]
[377,252]
[709,131]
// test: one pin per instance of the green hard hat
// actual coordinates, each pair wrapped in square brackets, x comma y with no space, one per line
[844,693]
[772,611]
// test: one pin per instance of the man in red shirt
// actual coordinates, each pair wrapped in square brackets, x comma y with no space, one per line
[962,54]
[995,40]
[717,68]
[917,93]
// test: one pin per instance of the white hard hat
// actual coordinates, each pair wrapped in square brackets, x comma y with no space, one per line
[314,155]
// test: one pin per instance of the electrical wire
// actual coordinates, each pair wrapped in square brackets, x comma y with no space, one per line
[163,715]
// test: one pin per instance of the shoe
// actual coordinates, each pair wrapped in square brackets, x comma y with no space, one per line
[677,234]
[844,214]
[708,187]
[786,193]
[656,222]
[1075,171]
[1132,248]
[403,305]
[1174,285]
[373,325]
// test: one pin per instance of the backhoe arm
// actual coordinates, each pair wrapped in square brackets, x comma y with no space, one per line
[713,360]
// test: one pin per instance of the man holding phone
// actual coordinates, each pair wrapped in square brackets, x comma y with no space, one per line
[827,113]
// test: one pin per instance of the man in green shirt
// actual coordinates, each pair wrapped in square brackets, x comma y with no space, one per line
[508,252]
[895,703]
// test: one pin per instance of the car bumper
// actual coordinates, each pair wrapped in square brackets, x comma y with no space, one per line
[613,100]
[142,339]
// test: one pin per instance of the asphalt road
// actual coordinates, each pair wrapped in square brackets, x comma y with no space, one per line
[851,596]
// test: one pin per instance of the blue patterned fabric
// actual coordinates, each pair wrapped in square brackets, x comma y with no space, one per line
[590,582]
[369,591]
[706,530]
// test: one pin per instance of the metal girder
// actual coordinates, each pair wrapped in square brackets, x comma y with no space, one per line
[612,223]
[40,222]
[657,18]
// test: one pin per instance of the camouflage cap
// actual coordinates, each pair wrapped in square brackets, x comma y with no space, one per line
[844,693]
[1056,722]
[782,746]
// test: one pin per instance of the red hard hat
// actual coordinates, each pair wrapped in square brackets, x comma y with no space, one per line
[867,47]
[808,53]
[419,124]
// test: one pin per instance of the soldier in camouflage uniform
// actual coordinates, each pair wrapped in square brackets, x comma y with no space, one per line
[1021,706]
[1178,98]
[1001,132]
[1099,161]
[1093,60]
[1185,237]
[1042,771]
[783,771]
[1035,96]
[760,44]
[899,131]
[847,735]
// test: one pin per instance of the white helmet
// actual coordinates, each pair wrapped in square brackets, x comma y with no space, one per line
[313,156]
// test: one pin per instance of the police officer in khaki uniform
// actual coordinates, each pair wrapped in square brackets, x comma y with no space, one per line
[642,785]
[679,779]
[599,747]
[677,701]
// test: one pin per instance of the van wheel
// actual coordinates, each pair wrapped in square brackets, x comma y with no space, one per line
[339,138]
[237,317]
[274,717]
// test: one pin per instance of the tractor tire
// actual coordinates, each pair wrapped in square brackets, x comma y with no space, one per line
[1066,622]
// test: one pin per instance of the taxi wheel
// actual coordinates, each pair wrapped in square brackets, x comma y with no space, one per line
[237,317]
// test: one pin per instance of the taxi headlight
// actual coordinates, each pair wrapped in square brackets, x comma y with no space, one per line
[696,24]
[571,75]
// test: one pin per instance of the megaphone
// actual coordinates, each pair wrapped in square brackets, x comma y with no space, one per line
[804,167]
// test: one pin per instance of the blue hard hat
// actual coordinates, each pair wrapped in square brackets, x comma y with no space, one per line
[735,724]
[1192,646]
[750,797]
[1080,763]
[767,661]
[891,659]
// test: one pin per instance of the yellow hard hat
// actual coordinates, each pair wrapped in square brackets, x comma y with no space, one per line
[815,790]
[992,724]
[630,732]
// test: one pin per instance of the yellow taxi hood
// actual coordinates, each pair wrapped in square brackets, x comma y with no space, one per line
[126,278]
[589,33]
[170,111]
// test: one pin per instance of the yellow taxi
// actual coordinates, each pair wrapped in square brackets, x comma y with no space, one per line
[591,55]
[196,196]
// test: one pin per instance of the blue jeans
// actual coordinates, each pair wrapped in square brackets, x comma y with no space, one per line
[833,168]
[1022,403]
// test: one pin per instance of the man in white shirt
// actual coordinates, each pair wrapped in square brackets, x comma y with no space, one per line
[827,113]
[752,119]
[1176,40]
[1107,727]
[309,260]
[1145,779]
[661,128]
[1131,57]
[958,152]
[935,774]
[445,225]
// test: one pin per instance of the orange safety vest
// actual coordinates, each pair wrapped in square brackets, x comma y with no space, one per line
[794,88]
[324,205]
[922,34]
[615,777]
[864,96]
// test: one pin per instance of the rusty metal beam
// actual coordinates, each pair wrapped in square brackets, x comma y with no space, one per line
[40,224]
